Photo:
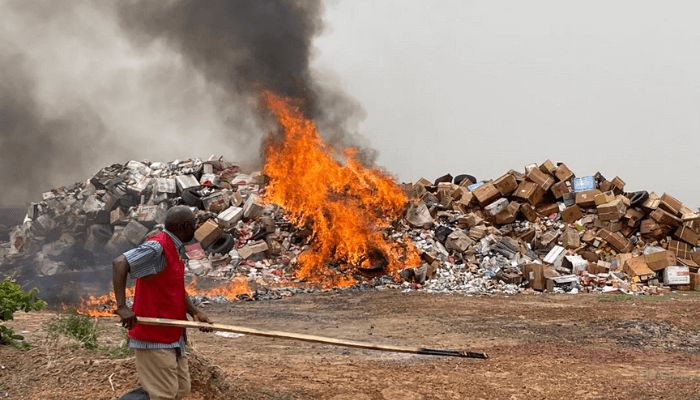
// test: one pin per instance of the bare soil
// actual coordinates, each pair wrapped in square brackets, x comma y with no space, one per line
[540,347]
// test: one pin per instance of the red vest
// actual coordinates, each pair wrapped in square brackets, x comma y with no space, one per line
[162,296]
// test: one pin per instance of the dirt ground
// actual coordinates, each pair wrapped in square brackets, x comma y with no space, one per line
[540,347]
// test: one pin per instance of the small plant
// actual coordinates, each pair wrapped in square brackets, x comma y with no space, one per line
[12,299]
[120,351]
[78,327]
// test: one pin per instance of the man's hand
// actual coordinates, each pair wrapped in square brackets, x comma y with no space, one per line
[199,316]
[127,317]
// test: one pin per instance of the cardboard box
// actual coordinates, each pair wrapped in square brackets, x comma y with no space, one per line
[486,194]
[563,173]
[530,192]
[537,274]
[670,204]
[676,275]
[559,189]
[230,217]
[660,260]
[571,214]
[611,211]
[570,239]
[665,218]
[548,209]
[548,167]
[687,235]
[253,206]
[618,185]
[207,233]
[603,198]
[117,216]
[584,183]
[615,240]
[586,198]
[680,249]
[545,181]
[695,281]
[508,215]
[649,227]
[506,184]
[636,266]
[633,217]
[186,182]
[528,212]
[652,202]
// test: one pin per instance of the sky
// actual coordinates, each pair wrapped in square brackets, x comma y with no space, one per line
[481,87]
[478,87]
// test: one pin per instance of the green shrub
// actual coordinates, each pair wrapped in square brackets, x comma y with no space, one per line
[12,299]
[78,327]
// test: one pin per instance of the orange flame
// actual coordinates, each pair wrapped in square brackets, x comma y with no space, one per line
[104,306]
[345,204]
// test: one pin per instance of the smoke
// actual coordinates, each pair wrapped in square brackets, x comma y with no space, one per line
[246,46]
[86,84]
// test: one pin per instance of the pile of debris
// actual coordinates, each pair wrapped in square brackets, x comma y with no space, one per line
[546,229]
[542,228]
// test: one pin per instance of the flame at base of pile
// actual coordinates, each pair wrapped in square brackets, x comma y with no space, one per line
[105,305]
[346,205]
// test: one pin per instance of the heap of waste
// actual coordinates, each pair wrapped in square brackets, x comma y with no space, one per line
[543,229]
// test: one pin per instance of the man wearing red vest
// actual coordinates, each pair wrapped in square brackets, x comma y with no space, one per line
[159,270]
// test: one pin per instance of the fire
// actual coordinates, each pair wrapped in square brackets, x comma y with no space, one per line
[346,204]
[105,305]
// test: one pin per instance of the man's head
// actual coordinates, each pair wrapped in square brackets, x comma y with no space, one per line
[180,222]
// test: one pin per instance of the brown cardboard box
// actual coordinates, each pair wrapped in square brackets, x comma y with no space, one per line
[207,233]
[559,189]
[694,281]
[695,256]
[660,260]
[571,214]
[612,226]
[665,218]
[548,209]
[528,212]
[636,266]
[681,249]
[563,173]
[548,167]
[652,202]
[486,194]
[633,216]
[611,211]
[615,240]
[671,204]
[618,185]
[603,198]
[570,239]
[508,215]
[530,192]
[649,227]
[537,275]
[687,235]
[506,184]
[599,267]
[544,180]
[586,199]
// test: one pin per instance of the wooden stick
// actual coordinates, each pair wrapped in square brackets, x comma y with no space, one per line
[309,338]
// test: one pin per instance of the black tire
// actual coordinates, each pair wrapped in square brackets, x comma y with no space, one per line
[222,245]
[192,198]
[638,198]
[459,178]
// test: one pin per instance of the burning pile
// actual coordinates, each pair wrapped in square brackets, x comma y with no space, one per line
[317,218]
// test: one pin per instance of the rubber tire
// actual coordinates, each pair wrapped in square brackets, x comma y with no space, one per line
[192,198]
[638,198]
[459,178]
[222,245]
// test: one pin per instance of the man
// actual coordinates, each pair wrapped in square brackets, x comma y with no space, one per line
[159,270]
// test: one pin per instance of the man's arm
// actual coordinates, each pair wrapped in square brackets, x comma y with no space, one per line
[197,314]
[120,270]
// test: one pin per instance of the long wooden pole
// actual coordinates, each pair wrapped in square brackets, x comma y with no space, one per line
[310,338]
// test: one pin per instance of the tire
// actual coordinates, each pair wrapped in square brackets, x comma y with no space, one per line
[459,178]
[638,198]
[192,198]
[222,245]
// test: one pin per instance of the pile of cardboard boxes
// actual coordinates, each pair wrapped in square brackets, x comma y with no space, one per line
[542,228]
[566,233]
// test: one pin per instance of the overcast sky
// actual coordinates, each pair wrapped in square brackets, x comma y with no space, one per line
[484,86]
[475,87]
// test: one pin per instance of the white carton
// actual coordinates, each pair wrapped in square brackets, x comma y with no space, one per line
[676,275]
